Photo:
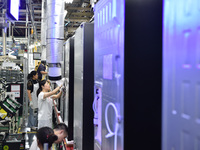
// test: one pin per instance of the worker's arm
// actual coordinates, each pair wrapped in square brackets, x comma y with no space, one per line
[43,72]
[52,92]
[57,96]
[29,95]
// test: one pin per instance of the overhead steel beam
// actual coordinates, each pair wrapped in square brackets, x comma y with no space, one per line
[77,1]
[78,18]
[16,26]
[23,27]
[38,17]
[82,14]
[78,8]
[35,11]
[37,4]
[75,19]
[20,21]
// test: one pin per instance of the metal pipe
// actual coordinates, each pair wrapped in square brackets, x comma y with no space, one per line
[26,22]
[12,31]
[4,40]
[55,37]
[23,27]
[43,29]
[4,31]
[9,29]
[20,21]
[25,97]
[31,11]
[28,43]
[35,11]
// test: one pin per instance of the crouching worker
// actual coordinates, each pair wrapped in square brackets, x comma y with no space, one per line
[45,135]
[60,130]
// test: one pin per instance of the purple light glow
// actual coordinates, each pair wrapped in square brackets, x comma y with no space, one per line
[198,66]
[187,66]
[107,66]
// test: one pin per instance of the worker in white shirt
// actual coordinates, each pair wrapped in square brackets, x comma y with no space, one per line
[45,103]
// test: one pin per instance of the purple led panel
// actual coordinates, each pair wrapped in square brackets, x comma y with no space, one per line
[107,66]
[109,72]
[181,82]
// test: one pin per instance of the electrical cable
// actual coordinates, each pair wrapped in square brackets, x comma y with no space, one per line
[111,133]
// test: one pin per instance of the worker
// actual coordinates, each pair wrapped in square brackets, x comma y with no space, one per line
[36,67]
[61,130]
[45,103]
[45,135]
[41,70]
[32,87]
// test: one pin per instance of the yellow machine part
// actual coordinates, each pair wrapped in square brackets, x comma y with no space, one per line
[3,113]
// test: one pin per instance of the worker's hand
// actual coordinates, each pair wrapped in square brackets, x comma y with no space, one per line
[62,88]
[53,97]
[31,104]
[60,82]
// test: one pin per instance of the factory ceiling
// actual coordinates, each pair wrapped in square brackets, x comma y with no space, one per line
[77,12]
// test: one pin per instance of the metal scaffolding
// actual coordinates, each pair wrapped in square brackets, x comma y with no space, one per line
[25,95]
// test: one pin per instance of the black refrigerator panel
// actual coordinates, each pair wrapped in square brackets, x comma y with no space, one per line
[68,103]
[143,74]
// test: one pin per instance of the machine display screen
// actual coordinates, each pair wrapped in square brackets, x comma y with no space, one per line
[36,56]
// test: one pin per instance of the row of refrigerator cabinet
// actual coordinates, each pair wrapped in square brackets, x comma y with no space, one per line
[93,106]
[113,98]
[81,106]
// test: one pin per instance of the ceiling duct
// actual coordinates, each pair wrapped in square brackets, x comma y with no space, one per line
[55,37]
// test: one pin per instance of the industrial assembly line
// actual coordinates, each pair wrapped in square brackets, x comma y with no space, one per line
[99,74]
